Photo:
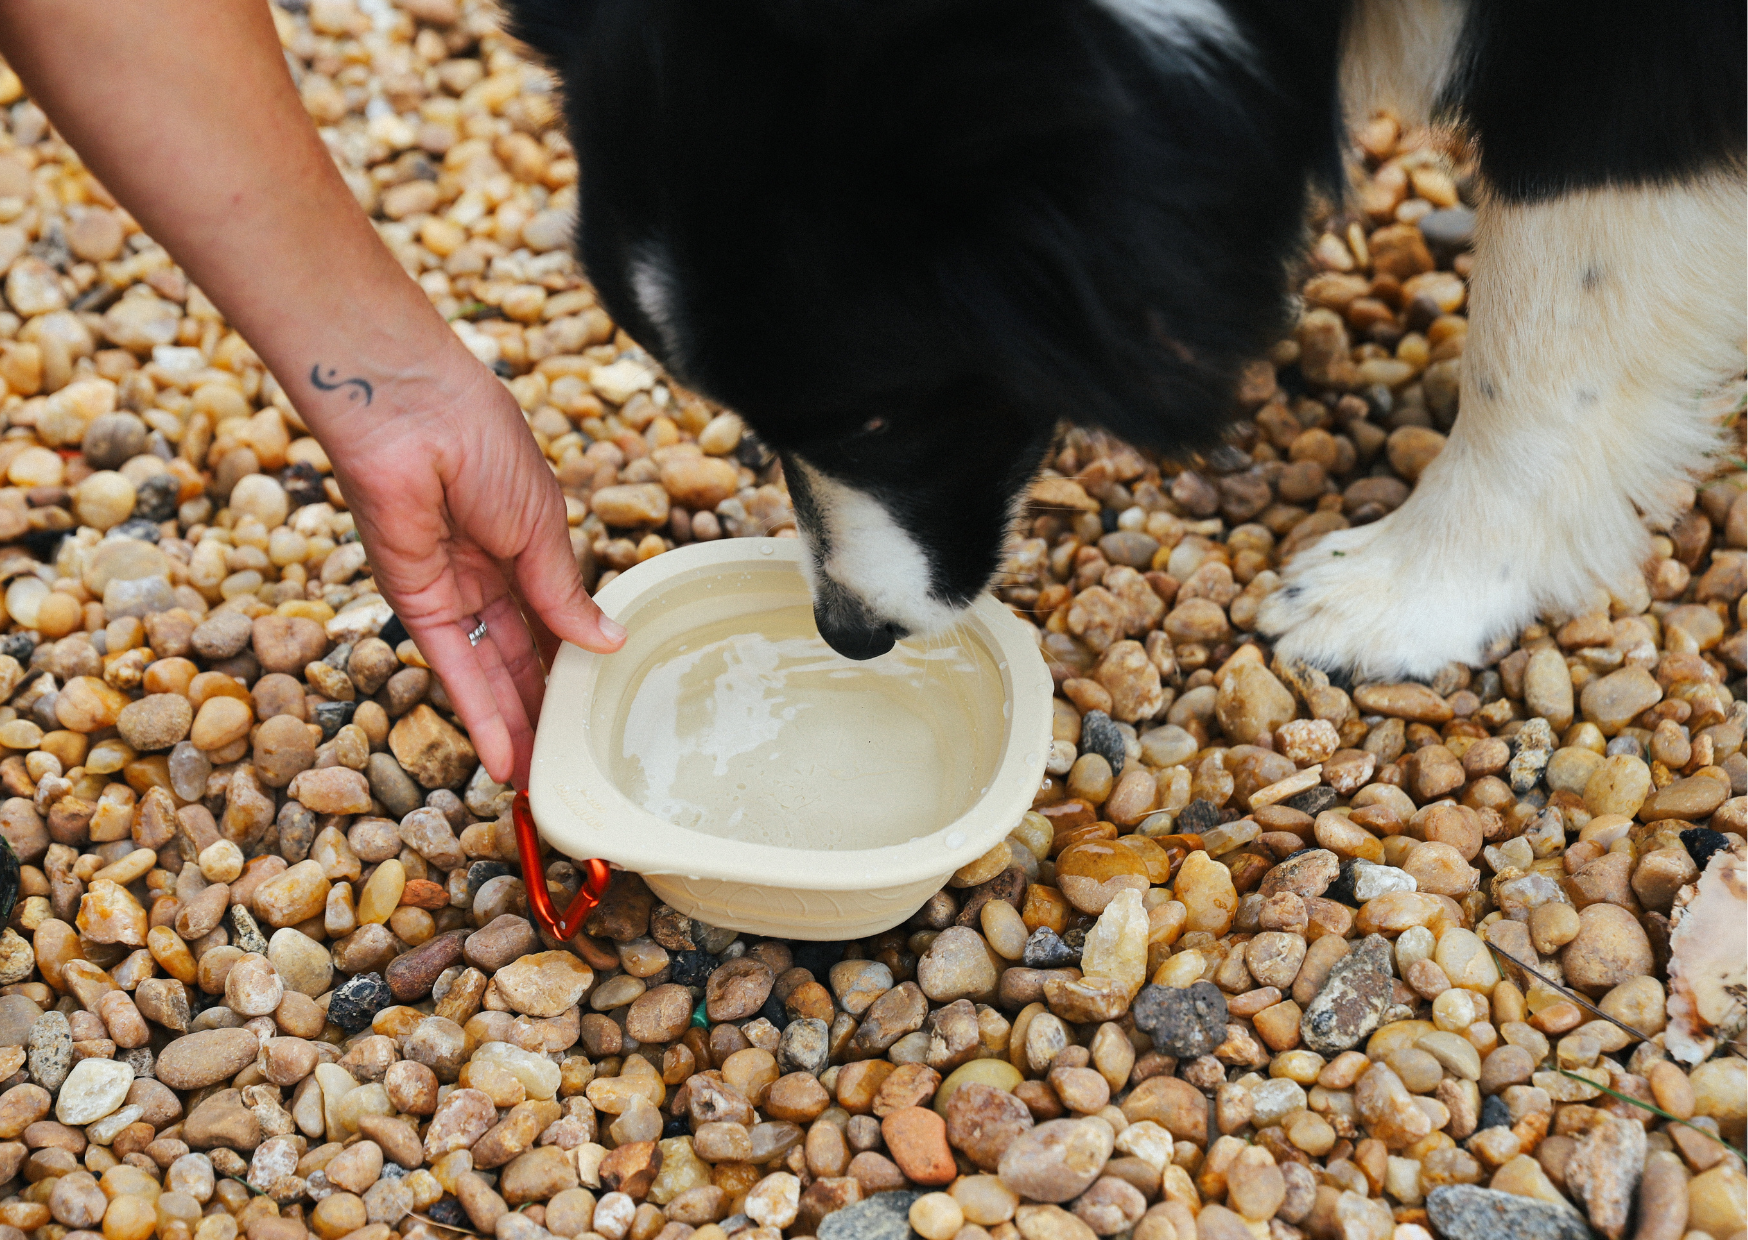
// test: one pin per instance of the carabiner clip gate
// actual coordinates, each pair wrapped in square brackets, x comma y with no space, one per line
[596,875]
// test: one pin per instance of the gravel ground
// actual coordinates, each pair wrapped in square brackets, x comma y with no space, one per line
[269,970]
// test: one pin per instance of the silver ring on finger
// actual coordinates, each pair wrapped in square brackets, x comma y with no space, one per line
[474,634]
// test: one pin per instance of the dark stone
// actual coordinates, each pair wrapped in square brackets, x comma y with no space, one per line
[482,872]
[1341,890]
[18,646]
[1099,735]
[773,1011]
[246,931]
[1186,1022]
[332,716]
[816,957]
[1045,950]
[358,1000]
[1702,842]
[1009,885]
[753,453]
[1468,1212]
[1198,816]
[884,1216]
[394,632]
[676,1127]
[303,484]
[44,545]
[1312,801]
[448,1213]
[155,498]
[1494,1113]
[10,873]
[691,968]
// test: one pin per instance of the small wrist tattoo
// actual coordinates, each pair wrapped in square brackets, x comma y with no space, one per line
[332,382]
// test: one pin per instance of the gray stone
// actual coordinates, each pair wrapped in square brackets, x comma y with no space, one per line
[222,634]
[51,1050]
[393,786]
[1130,547]
[1352,1001]
[1046,950]
[485,798]
[297,831]
[805,1046]
[884,1216]
[1099,735]
[1603,1172]
[1466,1212]
[1449,230]
[1185,1022]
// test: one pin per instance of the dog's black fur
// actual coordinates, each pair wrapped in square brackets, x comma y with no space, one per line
[904,238]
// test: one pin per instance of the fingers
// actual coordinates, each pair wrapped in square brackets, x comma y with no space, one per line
[482,692]
[508,635]
[547,576]
[517,696]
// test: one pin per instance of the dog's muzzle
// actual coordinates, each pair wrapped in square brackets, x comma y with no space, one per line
[847,624]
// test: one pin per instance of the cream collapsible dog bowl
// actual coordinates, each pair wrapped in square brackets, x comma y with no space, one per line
[760,782]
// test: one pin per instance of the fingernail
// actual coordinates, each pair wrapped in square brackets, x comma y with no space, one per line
[611,629]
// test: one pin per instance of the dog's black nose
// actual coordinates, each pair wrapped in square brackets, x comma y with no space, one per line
[853,633]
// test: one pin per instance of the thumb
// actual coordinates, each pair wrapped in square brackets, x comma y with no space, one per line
[552,587]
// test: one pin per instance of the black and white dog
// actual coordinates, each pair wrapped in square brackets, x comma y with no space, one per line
[903,238]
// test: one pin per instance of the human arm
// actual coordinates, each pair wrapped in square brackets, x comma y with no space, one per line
[186,112]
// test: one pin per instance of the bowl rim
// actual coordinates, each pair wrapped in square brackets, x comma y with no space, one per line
[580,811]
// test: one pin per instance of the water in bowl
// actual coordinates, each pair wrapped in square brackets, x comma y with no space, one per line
[753,729]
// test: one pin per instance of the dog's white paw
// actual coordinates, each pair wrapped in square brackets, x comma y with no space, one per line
[1379,605]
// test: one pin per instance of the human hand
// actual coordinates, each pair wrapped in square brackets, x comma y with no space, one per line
[465,523]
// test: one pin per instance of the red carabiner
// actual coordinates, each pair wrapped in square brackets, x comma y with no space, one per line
[596,875]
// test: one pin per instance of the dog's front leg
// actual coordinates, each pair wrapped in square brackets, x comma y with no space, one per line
[1599,321]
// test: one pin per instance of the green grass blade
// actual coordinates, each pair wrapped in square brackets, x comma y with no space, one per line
[1655,1110]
